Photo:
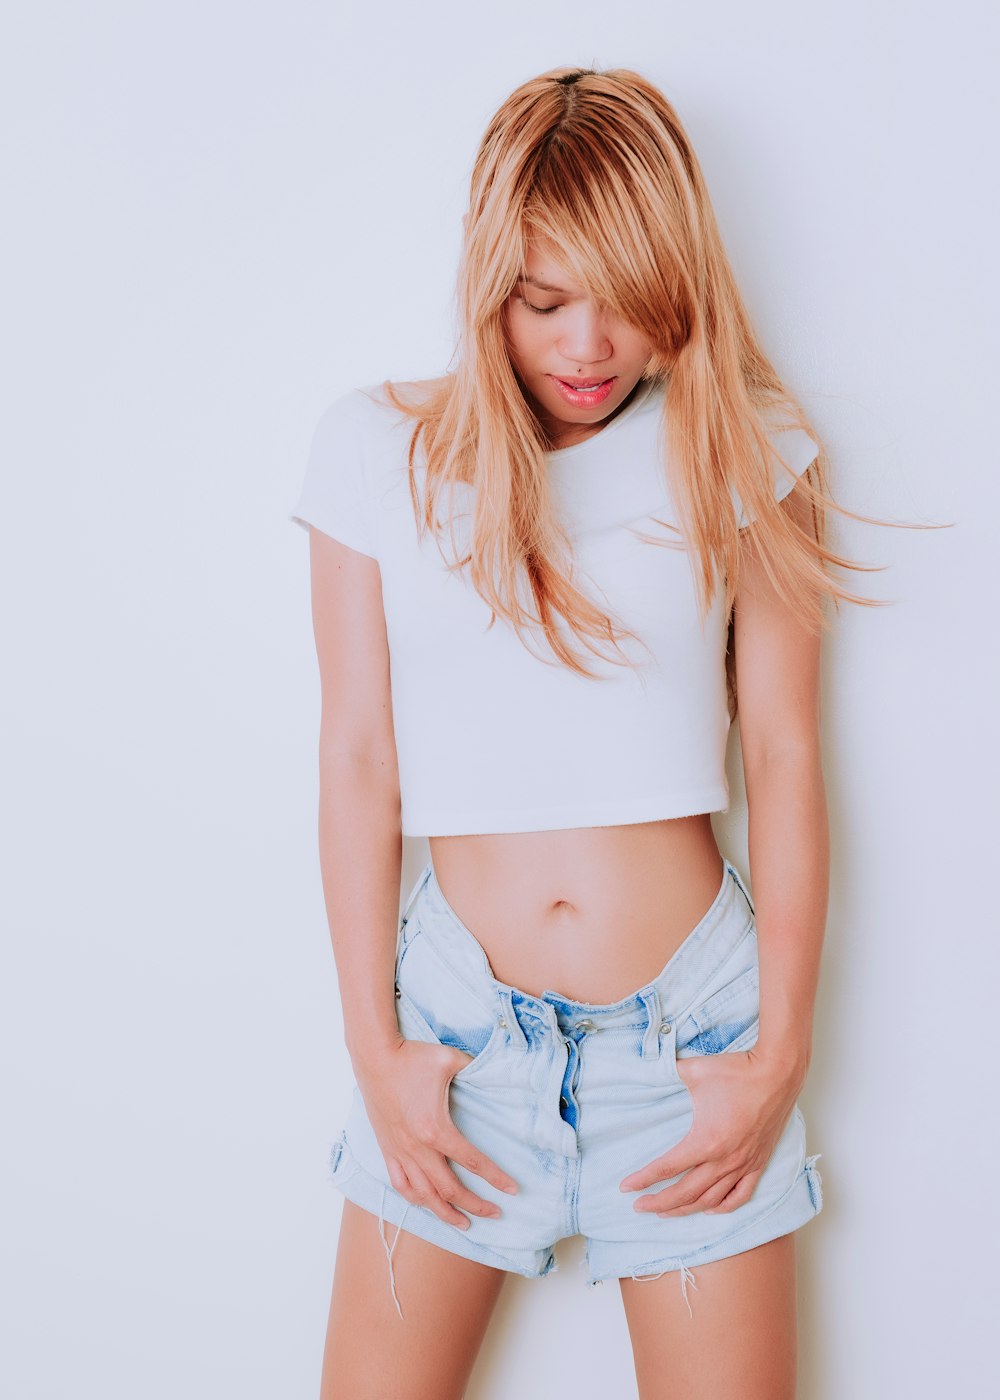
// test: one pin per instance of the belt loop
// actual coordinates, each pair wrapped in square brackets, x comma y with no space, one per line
[739,880]
[654,1016]
[518,1040]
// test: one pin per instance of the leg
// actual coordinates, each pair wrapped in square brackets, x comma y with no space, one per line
[371,1352]
[740,1343]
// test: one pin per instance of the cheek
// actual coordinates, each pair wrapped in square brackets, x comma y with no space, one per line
[512,329]
[524,339]
[635,345]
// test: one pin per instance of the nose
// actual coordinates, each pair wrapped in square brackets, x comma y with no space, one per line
[584,340]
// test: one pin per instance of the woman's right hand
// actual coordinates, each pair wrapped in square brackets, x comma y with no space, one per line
[405,1093]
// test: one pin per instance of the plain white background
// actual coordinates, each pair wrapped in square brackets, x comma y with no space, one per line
[220,216]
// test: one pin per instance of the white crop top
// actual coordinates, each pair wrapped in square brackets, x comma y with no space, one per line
[489,738]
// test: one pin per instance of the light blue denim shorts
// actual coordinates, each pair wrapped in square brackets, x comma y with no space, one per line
[569,1097]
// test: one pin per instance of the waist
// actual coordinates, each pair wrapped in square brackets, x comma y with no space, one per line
[591,912]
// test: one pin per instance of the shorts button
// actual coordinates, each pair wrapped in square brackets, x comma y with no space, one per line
[397,991]
[665,1026]
[586,1025]
[564,1101]
[503,1023]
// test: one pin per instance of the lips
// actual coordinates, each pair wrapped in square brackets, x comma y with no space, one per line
[589,396]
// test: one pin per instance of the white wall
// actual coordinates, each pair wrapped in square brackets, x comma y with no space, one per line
[218,217]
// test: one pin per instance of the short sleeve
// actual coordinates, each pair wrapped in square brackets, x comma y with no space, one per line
[798,450]
[334,495]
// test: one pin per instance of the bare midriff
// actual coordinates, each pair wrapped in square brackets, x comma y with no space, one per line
[591,912]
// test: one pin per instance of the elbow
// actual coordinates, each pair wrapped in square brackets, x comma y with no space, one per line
[370,765]
[792,756]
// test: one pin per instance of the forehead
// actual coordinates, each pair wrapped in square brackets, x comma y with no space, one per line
[545,270]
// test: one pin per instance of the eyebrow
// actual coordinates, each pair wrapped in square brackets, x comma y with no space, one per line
[543,286]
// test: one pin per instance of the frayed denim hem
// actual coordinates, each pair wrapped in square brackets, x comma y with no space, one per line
[790,1212]
[379,1198]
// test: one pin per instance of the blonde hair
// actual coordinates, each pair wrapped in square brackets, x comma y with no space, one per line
[598,164]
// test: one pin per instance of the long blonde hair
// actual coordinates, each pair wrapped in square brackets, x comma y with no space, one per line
[598,164]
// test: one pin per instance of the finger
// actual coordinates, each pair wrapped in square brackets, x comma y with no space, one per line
[452,1189]
[702,1195]
[738,1196]
[679,1193]
[712,1199]
[421,1191]
[670,1164]
[467,1154]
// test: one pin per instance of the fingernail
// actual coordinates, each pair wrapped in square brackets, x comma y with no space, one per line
[511,1190]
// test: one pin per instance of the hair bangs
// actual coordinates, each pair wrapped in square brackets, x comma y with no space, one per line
[603,214]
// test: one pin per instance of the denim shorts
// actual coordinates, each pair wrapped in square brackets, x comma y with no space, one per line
[569,1097]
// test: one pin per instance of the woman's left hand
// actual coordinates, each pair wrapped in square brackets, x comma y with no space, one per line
[741,1105]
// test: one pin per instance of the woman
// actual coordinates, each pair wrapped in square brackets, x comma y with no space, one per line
[540,584]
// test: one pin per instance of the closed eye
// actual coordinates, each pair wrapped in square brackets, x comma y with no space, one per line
[538,310]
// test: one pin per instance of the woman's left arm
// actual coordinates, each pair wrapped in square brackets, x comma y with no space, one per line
[778,687]
[742,1101]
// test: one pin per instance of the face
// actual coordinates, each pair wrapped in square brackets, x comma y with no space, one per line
[556,333]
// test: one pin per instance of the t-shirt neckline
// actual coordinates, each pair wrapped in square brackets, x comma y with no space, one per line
[643,394]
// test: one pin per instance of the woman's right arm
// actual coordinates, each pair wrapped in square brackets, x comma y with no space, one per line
[360,836]
[404,1083]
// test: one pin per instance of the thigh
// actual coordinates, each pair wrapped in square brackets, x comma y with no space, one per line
[738,1343]
[372,1353]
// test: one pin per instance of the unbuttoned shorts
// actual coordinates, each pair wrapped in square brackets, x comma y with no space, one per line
[570,1097]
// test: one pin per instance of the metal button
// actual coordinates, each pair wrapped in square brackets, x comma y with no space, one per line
[665,1026]
[398,992]
[564,1101]
[503,1023]
[586,1025]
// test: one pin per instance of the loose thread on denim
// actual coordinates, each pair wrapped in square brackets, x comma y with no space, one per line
[385,1246]
[687,1276]
[816,1180]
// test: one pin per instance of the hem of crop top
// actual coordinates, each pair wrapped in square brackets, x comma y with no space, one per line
[423,821]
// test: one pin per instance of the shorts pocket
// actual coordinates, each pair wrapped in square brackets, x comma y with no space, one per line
[726,1021]
[746,1038]
[434,1006]
[726,1016]
[414,1024]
